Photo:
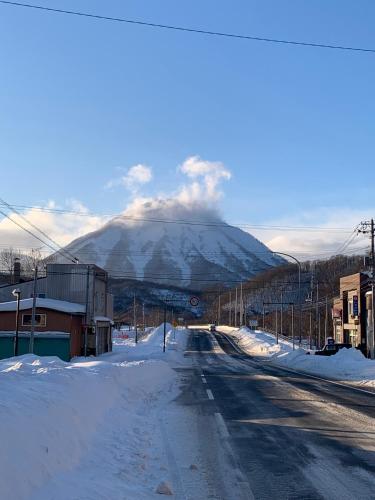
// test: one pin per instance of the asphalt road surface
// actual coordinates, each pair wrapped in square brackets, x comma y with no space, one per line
[266,433]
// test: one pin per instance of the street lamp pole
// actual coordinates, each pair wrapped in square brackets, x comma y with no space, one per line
[299,293]
[17,293]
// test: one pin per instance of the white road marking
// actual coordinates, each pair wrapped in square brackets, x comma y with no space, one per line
[204,380]
[221,425]
[209,394]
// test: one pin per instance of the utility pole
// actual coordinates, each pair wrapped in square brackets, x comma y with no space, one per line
[311,303]
[299,292]
[264,318]
[318,317]
[87,317]
[17,294]
[367,227]
[33,310]
[143,317]
[241,306]
[293,325]
[218,311]
[230,309]
[245,309]
[326,322]
[165,325]
[277,329]
[235,310]
[135,319]
[281,313]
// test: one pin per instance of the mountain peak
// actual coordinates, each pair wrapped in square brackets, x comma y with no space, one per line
[173,243]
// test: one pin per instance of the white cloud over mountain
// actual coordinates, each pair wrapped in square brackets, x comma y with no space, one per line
[198,198]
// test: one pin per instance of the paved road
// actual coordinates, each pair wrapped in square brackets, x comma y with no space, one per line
[278,435]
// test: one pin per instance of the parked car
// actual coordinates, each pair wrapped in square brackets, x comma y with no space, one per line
[212,328]
[330,349]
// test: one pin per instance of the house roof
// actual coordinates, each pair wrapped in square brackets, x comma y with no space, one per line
[56,305]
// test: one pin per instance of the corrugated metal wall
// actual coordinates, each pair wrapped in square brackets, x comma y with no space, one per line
[79,283]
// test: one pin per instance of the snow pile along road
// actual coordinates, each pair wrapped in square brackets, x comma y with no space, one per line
[86,429]
[151,345]
[347,365]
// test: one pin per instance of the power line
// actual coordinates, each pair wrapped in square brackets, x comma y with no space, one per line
[187,221]
[112,274]
[189,30]
[32,234]
[66,252]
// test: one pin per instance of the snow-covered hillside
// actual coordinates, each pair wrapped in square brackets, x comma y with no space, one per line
[153,247]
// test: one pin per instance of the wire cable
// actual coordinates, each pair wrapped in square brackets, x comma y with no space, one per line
[188,222]
[66,252]
[32,234]
[189,30]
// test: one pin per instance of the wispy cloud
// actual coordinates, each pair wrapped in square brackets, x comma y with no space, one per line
[135,177]
[210,172]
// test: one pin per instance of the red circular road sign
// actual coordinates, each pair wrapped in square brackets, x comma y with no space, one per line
[194,301]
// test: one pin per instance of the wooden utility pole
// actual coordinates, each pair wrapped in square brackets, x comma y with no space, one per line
[235,311]
[326,322]
[241,306]
[367,227]
[135,319]
[218,311]
[33,310]
[230,309]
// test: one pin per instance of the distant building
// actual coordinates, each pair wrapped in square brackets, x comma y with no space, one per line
[352,313]
[73,303]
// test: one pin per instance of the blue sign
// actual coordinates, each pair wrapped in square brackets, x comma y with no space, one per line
[355,305]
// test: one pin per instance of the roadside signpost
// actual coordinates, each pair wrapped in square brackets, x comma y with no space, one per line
[193,301]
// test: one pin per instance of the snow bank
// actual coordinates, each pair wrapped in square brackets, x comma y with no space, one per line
[151,345]
[62,421]
[258,343]
[346,365]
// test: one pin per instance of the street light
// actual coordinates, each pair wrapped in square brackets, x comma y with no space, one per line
[299,292]
[17,293]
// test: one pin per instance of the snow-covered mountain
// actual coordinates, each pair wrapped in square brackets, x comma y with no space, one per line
[175,245]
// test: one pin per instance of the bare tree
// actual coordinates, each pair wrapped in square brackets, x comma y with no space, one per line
[29,261]
[7,258]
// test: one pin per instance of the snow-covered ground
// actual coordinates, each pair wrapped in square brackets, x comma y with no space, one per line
[347,365]
[89,429]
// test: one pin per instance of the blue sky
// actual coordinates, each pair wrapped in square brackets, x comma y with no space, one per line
[295,126]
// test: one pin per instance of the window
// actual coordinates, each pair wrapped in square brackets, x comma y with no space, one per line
[40,320]
[350,307]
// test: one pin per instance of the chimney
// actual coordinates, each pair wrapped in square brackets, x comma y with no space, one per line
[16,270]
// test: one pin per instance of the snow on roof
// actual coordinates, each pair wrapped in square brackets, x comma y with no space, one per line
[56,305]
[103,318]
